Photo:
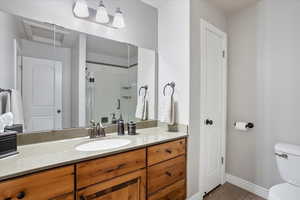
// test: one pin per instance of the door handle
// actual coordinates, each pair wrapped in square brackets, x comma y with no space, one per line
[285,156]
[209,122]
[58,111]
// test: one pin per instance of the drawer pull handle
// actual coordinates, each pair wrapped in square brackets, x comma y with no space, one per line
[21,195]
[168,174]
[168,151]
[8,198]
[82,197]
[116,168]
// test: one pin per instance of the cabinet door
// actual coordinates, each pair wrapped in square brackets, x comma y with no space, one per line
[128,187]
[55,184]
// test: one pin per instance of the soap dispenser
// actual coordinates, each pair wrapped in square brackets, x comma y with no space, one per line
[114,119]
[121,127]
[131,128]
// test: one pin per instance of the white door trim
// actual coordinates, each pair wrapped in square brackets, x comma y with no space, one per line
[203,26]
[17,53]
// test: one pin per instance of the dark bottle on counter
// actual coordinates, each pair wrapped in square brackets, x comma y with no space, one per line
[131,128]
[121,127]
[114,119]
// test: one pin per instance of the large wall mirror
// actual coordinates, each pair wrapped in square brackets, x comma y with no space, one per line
[60,78]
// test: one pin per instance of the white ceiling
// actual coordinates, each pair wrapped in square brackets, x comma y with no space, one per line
[110,47]
[43,33]
[230,6]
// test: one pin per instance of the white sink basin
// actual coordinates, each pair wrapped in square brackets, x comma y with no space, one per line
[102,145]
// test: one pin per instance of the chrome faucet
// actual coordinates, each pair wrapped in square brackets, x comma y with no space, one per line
[100,130]
[96,130]
[92,129]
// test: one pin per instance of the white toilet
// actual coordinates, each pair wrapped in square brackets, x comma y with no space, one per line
[288,161]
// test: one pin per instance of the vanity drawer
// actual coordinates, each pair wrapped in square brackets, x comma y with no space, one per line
[176,191]
[165,174]
[56,184]
[95,171]
[162,152]
[131,186]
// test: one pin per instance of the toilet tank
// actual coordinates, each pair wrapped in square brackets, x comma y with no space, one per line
[288,161]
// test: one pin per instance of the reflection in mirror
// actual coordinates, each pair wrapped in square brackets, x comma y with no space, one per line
[42,66]
[46,52]
[111,69]
[57,78]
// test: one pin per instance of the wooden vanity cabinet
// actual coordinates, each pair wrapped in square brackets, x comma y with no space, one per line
[124,176]
[166,174]
[155,173]
[54,184]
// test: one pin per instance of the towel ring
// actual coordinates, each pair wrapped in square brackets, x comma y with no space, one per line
[5,90]
[172,85]
[146,89]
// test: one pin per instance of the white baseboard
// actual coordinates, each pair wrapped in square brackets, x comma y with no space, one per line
[246,185]
[196,196]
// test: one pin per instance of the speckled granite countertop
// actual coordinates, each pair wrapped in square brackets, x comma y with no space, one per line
[47,155]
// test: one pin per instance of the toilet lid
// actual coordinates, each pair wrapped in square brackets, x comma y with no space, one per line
[284,191]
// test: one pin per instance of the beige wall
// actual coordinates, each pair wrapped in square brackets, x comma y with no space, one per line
[263,87]
[173,53]
[243,93]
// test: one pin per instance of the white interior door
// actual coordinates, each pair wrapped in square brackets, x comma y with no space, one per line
[42,94]
[213,105]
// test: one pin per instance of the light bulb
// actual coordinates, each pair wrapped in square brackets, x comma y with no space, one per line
[102,15]
[119,21]
[81,9]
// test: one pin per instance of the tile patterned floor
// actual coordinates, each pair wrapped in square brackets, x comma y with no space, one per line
[231,192]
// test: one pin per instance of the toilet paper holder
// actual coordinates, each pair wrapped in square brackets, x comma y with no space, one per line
[249,125]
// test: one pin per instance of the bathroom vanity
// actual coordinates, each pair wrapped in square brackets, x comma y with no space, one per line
[152,167]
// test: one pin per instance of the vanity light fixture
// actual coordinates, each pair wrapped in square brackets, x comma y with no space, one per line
[81,9]
[102,15]
[118,21]
[98,15]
